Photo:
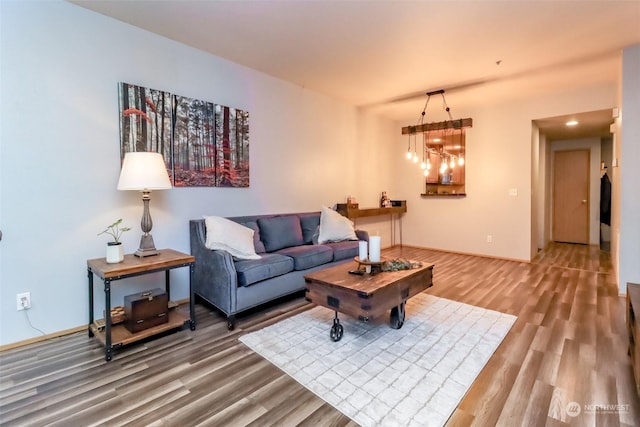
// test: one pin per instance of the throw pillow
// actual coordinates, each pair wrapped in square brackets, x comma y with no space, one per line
[335,227]
[309,223]
[257,243]
[224,234]
[280,232]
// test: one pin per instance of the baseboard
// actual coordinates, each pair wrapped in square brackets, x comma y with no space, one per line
[41,338]
[58,334]
[464,253]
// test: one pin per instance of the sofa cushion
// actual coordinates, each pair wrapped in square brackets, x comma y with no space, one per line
[309,223]
[344,250]
[335,227]
[257,243]
[268,266]
[307,256]
[280,232]
[224,234]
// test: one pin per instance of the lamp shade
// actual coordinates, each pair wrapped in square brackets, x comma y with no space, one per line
[143,171]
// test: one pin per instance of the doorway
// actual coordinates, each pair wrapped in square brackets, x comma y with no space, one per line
[570,217]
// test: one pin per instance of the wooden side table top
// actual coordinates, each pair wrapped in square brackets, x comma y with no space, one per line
[167,258]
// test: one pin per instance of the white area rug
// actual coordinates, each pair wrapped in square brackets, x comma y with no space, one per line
[378,376]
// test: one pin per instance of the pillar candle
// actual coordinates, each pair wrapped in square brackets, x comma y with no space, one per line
[374,248]
[362,250]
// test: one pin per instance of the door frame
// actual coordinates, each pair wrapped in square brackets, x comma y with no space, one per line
[594,145]
[580,235]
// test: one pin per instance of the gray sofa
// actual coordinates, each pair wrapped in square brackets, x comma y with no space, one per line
[286,245]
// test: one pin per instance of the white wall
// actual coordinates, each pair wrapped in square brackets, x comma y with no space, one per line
[628,153]
[499,158]
[59,150]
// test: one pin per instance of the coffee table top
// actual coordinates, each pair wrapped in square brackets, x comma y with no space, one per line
[339,277]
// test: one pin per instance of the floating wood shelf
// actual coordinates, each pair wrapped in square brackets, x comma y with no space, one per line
[443,194]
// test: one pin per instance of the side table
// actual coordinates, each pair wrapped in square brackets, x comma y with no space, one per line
[115,336]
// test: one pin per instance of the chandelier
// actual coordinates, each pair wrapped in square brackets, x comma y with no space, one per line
[446,158]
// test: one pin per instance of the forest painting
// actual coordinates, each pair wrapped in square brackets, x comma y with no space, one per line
[204,144]
[210,144]
[232,147]
[145,121]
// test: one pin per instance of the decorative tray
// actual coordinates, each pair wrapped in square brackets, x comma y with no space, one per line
[367,262]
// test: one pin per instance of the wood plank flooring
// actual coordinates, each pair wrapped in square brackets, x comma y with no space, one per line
[569,344]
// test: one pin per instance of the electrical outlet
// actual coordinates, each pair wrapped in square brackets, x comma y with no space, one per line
[489,238]
[23,301]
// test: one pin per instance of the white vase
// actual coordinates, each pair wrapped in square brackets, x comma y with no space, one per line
[115,252]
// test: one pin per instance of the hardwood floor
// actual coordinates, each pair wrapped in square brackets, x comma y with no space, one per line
[569,344]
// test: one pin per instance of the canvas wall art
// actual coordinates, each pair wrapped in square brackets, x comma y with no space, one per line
[204,144]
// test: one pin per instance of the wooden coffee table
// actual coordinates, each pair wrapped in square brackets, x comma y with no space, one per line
[367,296]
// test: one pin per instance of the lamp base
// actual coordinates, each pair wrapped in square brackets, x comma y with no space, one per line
[144,253]
[147,247]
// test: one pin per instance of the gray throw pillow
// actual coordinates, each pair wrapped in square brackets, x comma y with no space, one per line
[309,223]
[280,232]
[257,243]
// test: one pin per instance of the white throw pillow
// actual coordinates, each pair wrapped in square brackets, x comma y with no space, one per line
[335,227]
[227,235]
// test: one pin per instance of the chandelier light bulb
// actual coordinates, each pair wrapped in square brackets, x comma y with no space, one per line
[415,158]
[452,164]
[426,172]
[409,155]
[423,165]
[461,161]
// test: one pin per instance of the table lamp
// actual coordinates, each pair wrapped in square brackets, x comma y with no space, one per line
[144,171]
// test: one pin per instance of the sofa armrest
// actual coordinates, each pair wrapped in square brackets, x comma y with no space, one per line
[215,277]
[362,235]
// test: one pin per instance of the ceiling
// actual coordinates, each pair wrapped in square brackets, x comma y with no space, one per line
[384,55]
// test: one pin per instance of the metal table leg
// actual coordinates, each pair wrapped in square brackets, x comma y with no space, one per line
[107,320]
[91,319]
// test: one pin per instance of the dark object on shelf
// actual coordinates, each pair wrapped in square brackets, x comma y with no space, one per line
[633,328]
[145,310]
[395,203]
[345,206]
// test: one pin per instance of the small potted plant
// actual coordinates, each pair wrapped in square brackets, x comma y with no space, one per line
[115,253]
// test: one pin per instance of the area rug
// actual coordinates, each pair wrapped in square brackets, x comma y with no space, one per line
[379,376]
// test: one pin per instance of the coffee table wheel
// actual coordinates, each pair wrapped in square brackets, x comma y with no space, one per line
[336,330]
[397,316]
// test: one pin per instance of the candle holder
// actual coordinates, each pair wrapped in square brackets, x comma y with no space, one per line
[371,267]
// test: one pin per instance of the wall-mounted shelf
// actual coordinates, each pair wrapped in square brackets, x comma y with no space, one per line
[446,190]
[443,195]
